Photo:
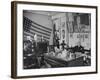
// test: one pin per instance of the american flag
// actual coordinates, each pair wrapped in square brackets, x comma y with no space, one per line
[31,28]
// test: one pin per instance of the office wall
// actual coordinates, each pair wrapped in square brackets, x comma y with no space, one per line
[41,19]
[60,20]
[43,24]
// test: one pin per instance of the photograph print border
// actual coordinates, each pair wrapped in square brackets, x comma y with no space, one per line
[14,37]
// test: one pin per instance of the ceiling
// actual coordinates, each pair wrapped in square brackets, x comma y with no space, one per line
[48,13]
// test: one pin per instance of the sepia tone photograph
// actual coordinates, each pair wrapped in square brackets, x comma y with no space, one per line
[56,39]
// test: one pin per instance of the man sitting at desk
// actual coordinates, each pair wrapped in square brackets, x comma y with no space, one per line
[79,48]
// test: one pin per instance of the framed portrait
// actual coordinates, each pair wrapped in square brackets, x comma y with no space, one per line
[35,49]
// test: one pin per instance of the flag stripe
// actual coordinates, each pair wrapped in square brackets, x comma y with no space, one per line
[40,28]
[32,28]
[32,34]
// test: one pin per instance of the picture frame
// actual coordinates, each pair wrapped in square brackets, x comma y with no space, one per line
[34,30]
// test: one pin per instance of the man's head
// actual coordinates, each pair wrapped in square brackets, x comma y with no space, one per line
[29,38]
